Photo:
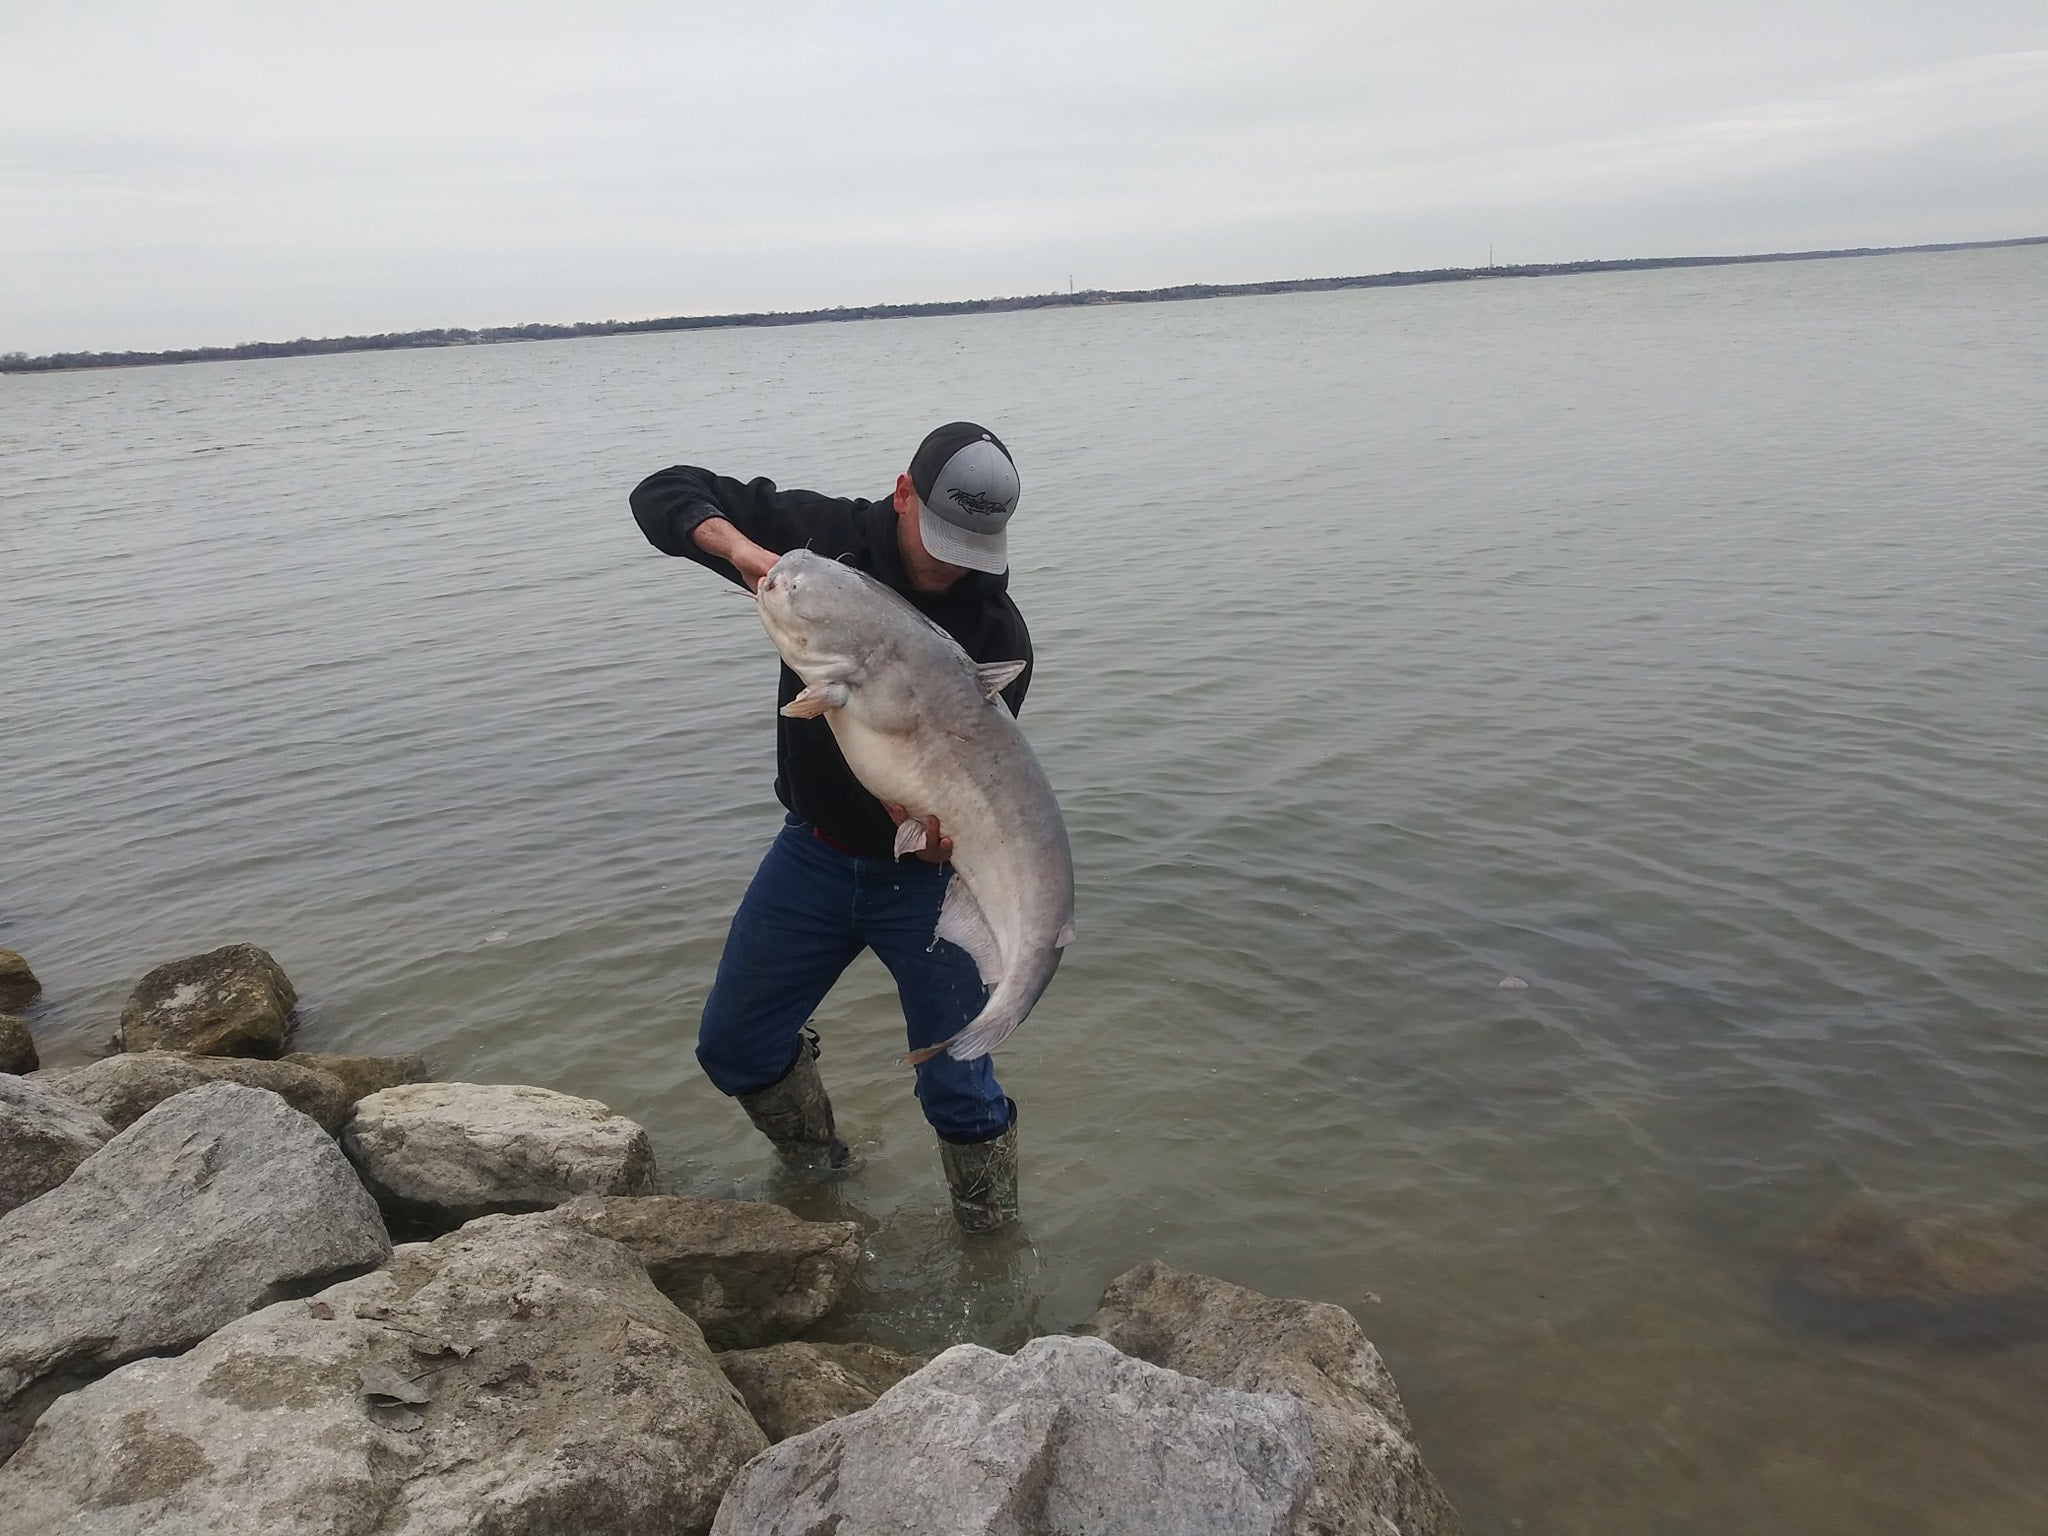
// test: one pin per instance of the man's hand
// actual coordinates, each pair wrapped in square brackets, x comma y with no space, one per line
[753,563]
[716,536]
[938,848]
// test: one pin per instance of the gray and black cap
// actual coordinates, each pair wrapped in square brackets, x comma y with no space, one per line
[967,487]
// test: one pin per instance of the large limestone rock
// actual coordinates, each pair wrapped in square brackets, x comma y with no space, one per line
[440,1154]
[234,1001]
[748,1273]
[793,1388]
[18,984]
[1872,1268]
[125,1088]
[1067,1436]
[361,1076]
[216,1202]
[43,1137]
[17,1046]
[1370,1478]
[517,1378]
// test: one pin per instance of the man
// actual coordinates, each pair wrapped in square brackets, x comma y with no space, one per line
[830,884]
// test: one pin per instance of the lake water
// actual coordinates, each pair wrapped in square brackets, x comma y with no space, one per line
[1674,642]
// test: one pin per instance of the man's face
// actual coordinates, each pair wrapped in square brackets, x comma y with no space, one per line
[927,573]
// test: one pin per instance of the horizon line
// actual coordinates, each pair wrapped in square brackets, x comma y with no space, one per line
[448,336]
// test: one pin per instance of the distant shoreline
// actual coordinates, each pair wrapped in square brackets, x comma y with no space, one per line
[397,341]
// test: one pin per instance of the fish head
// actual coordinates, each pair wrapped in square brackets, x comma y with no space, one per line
[808,603]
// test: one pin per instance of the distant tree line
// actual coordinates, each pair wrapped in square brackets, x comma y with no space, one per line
[392,341]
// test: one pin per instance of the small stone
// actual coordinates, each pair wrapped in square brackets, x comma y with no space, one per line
[233,1001]
[18,984]
[17,1046]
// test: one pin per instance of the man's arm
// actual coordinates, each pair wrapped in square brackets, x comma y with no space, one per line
[737,529]
[722,541]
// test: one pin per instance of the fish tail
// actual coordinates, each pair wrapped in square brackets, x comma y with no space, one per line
[973,1042]
[987,1032]
[1006,1009]
[1008,1006]
[984,1034]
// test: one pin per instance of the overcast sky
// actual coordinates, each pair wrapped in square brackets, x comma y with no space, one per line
[187,174]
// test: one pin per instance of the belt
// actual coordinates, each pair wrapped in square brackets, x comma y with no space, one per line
[833,843]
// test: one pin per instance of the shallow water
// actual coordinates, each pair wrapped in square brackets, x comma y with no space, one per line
[1675,642]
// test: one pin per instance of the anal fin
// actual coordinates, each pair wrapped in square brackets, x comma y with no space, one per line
[961,922]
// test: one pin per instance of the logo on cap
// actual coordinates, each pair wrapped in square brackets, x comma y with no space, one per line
[974,501]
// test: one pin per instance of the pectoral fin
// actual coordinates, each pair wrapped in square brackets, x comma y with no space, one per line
[909,835]
[816,699]
[995,676]
[961,922]
[1066,937]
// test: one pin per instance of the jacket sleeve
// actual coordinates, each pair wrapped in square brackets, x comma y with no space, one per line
[669,505]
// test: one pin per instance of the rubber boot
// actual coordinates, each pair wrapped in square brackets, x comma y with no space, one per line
[795,1114]
[983,1179]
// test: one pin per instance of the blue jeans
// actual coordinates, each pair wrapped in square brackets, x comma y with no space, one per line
[809,912]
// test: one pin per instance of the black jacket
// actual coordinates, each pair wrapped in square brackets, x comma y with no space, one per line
[811,777]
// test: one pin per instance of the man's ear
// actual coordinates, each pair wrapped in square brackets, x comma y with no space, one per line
[906,495]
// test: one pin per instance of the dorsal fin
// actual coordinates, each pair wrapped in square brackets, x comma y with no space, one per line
[995,676]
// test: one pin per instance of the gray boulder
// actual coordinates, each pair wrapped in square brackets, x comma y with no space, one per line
[125,1088]
[1369,1475]
[748,1273]
[1066,1436]
[793,1388]
[361,1076]
[440,1154]
[517,1378]
[18,984]
[234,1001]
[216,1202]
[43,1137]
[17,1046]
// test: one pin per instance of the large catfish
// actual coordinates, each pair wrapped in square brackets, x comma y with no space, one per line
[921,726]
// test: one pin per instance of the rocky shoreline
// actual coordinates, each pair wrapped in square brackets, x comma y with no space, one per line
[206,1327]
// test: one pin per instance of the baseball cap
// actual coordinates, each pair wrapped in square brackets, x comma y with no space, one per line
[967,486]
